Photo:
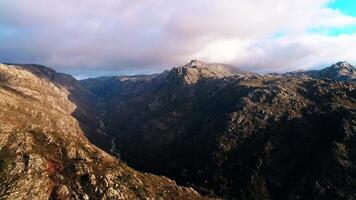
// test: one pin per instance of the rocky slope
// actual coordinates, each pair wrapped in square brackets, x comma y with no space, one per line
[239,135]
[86,102]
[44,153]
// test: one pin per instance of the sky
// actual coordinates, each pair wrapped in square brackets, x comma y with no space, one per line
[89,38]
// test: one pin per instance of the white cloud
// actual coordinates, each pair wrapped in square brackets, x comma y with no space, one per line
[154,34]
[298,52]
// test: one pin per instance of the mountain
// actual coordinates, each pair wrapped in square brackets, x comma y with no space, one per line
[238,135]
[195,70]
[44,151]
[118,85]
[341,71]
[227,133]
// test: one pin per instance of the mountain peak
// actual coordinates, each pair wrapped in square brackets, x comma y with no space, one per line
[195,63]
[343,66]
[211,66]
[195,70]
[340,71]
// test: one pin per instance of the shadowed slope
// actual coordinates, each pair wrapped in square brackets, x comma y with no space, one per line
[240,135]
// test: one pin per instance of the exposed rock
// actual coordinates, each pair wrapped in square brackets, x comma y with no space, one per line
[195,70]
[61,193]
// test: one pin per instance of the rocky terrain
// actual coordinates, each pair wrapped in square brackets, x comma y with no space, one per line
[226,133]
[238,135]
[44,152]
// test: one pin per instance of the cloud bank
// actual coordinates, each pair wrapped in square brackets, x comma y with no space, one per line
[135,35]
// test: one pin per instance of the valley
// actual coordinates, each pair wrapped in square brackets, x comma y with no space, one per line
[212,128]
[45,120]
[177,100]
[102,130]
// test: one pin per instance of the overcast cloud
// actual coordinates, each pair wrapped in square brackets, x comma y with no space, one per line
[150,35]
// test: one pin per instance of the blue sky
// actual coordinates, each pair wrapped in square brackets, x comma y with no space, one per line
[347,7]
[99,37]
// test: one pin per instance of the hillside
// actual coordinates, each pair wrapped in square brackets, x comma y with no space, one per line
[44,153]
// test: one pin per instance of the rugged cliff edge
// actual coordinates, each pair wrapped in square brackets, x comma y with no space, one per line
[44,153]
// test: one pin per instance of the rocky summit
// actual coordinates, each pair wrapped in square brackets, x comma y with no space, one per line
[44,151]
[218,131]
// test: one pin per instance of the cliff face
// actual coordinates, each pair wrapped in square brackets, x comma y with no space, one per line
[44,153]
[240,135]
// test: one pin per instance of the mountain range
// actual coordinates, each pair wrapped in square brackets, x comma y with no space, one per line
[227,133]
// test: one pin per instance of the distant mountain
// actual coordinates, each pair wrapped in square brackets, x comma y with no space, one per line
[235,134]
[108,86]
[44,153]
[341,71]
